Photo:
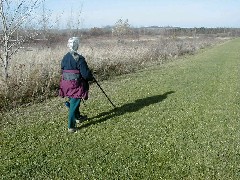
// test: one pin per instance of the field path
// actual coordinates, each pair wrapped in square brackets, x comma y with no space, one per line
[177,121]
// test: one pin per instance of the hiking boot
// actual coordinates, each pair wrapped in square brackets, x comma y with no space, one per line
[72,130]
[81,119]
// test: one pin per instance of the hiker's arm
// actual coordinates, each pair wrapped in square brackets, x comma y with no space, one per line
[85,71]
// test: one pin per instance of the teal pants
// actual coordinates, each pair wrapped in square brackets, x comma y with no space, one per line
[73,112]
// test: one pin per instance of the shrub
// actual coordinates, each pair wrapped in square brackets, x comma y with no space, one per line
[35,75]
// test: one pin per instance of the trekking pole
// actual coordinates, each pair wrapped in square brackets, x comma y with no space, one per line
[104,92]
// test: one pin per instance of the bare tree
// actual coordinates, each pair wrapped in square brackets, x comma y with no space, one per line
[79,20]
[75,20]
[13,17]
[121,28]
[45,20]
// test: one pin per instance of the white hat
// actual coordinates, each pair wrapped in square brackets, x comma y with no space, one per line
[73,43]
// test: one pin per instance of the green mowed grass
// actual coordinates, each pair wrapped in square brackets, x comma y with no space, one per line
[177,121]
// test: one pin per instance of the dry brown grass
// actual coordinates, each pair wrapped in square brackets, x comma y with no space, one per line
[35,74]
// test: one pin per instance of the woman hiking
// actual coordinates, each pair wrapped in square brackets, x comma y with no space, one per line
[74,82]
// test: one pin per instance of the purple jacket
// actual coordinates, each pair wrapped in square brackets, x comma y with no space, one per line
[75,88]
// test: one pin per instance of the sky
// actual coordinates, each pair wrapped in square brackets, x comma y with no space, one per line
[142,13]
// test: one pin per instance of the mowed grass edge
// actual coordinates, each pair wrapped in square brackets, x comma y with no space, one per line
[179,121]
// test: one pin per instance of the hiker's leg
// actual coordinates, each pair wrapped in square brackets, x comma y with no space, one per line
[74,104]
[77,110]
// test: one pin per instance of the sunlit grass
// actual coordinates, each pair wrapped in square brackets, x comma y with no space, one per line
[178,121]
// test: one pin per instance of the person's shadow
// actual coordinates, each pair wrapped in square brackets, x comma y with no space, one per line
[130,107]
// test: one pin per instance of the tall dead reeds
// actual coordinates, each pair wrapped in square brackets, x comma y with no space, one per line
[34,75]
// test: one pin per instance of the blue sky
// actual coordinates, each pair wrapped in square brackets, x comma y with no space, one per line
[181,13]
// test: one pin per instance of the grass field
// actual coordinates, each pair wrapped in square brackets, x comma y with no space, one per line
[177,121]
